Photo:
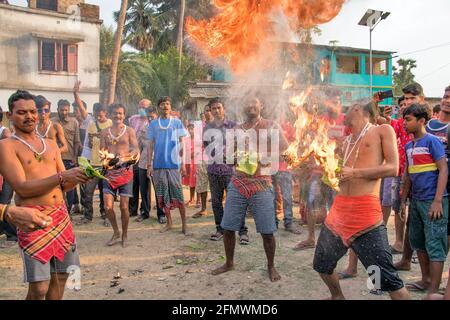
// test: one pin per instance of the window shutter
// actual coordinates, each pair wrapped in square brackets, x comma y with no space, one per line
[40,55]
[58,58]
[72,58]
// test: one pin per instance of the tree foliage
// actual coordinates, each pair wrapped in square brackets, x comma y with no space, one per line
[149,75]
[403,75]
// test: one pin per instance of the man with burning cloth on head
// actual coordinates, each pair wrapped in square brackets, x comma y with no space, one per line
[32,165]
[251,185]
[355,219]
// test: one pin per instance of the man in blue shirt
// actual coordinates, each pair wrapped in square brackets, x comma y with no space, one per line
[165,162]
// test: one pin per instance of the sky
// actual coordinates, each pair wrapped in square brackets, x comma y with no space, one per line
[413,25]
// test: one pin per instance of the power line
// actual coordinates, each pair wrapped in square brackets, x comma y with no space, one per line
[422,50]
[434,71]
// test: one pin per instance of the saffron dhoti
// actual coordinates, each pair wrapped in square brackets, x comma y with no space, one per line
[351,217]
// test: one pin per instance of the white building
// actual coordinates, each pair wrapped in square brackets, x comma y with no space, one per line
[46,47]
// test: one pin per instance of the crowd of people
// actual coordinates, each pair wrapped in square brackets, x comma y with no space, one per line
[390,163]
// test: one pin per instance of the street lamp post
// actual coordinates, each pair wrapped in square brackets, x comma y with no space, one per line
[371,19]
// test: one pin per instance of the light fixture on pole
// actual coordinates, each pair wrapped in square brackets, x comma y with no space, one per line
[371,19]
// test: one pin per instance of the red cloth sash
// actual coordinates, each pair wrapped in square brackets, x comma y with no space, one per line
[53,241]
[248,187]
[351,217]
[119,177]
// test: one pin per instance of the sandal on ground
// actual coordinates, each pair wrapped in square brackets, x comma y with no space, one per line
[199,215]
[83,221]
[293,229]
[344,275]
[304,246]
[105,223]
[415,287]
[244,240]
[216,236]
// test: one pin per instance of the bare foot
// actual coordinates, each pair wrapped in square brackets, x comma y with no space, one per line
[124,242]
[273,274]
[403,265]
[304,245]
[114,240]
[186,232]
[434,296]
[190,203]
[222,269]
[166,228]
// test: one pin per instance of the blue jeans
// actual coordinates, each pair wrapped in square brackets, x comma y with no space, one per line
[72,195]
[284,180]
[218,184]
[261,204]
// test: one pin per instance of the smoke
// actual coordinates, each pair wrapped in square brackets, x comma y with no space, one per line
[248,38]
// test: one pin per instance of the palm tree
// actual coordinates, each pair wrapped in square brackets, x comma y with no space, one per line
[180,32]
[132,68]
[164,78]
[116,52]
[156,25]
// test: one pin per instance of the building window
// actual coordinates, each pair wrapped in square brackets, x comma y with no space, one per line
[348,64]
[58,56]
[380,66]
[47,4]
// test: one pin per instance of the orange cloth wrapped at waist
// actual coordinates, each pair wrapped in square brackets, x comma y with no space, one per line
[351,217]
[119,177]
[54,240]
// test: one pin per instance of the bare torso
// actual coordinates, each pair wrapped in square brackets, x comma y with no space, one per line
[370,155]
[35,170]
[120,146]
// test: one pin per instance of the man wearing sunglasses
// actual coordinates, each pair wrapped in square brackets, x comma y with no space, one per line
[46,128]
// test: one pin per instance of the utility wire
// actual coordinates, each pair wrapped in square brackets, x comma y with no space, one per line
[422,50]
[433,72]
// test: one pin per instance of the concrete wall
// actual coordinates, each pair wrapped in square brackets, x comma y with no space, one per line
[19,55]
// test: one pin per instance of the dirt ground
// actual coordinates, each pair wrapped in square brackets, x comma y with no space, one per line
[172,266]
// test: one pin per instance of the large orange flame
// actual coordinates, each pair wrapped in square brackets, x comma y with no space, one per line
[312,140]
[241,32]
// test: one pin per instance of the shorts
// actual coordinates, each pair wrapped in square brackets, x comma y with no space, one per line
[261,205]
[428,235]
[317,194]
[202,182]
[372,249]
[390,193]
[35,271]
[124,191]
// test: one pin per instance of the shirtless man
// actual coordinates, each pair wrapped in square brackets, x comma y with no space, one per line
[252,188]
[119,140]
[46,128]
[355,219]
[33,167]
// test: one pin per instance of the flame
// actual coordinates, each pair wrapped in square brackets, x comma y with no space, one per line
[312,140]
[240,32]
[289,81]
